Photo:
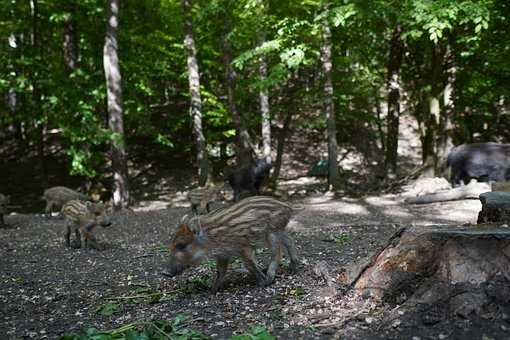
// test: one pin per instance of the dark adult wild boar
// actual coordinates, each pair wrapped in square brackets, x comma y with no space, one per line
[249,178]
[481,161]
[235,231]
[83,217]
[56,197]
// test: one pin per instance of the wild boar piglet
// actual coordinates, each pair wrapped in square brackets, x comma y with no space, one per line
[235,231]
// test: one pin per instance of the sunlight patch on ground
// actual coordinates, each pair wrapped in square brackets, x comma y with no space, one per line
[340,207]
[398,213]
[150,205]
[381,201]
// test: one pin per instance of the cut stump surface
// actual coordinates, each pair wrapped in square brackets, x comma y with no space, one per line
[465,267]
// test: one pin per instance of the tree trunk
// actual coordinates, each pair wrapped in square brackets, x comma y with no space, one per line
[114,99]
[264,109]
[279,148]
[70,45]
[196,100]
[393,86]
[244,154]
[445,141]
[329,108]
[36,94]
[12,96]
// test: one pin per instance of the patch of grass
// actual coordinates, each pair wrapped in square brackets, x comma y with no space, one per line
[141,295]
[255,333]
[209,264]
[109,308]
[338,238]
[194,285]
[154,330]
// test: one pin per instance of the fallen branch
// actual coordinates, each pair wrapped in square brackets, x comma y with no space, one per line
[470,191]
[142,296]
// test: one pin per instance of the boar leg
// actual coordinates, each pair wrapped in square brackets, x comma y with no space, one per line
[276,256]
[194,209]
[251,265]
[290,246]
[68,235]
[48,209]
[90,241]
[77,235]
[221,270]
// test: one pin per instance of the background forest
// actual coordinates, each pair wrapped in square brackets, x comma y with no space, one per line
[199,84]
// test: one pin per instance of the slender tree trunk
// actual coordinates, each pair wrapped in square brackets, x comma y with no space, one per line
[36,93]
[115,115]
[393,86]
[196,100]
[12,96]
[329,109]
[434,104]
[264,109]
[280,146]
[70,45]
[244,153]
[445,140]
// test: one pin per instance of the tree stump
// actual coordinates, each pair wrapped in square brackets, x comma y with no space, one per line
[495,207]
[465,268]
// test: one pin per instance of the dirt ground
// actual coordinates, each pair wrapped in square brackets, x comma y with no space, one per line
[48,289]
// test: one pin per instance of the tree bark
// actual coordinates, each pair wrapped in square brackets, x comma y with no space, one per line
[264,109]
[115,115]
[194,88]
[36,93]
[393,86]
[445,130]
[329,109]
[441,267]
[244,154]
[70,45]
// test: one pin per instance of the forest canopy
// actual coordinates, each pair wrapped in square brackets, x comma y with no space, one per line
[261,63]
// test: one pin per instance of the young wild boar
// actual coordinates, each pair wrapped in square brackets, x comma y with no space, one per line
[56,197]
[4,202]
[201,199]
[235,231]
[83,217]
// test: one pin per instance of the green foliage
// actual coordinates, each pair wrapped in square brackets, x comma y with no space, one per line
[255,333]
[338,238]
[471,35]
[153,330]
[109,308]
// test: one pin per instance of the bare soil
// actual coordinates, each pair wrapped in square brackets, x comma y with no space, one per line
[48,289]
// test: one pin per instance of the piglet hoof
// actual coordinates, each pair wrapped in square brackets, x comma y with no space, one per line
[75,245]
[294,267]
[263,281]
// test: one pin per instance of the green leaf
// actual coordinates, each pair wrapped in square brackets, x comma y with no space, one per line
[109,308]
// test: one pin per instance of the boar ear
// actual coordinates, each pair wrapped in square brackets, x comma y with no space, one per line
[199,231]
[200,238]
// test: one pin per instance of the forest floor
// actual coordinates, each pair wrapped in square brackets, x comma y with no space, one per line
[47,290]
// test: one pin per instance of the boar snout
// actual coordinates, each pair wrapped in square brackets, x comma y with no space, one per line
[105,224]
[175,270]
